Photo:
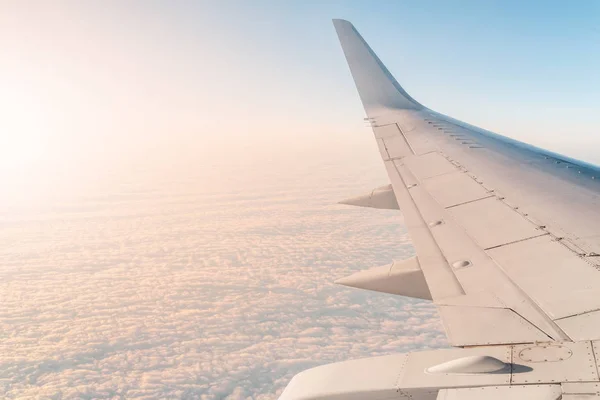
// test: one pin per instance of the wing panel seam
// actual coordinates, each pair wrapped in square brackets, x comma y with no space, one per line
[469,201]
[405,139]
[516,241]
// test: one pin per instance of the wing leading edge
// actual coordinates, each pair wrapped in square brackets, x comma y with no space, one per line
[506,235]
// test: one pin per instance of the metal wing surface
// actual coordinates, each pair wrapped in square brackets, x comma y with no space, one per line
[507,235]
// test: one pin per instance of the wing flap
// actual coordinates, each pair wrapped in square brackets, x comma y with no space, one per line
[478,326]
[561,283]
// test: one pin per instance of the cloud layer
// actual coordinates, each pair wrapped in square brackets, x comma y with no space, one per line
[210,286]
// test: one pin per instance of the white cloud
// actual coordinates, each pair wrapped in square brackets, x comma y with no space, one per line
[191,290]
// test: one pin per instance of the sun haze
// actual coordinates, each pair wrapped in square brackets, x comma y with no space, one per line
[170,173]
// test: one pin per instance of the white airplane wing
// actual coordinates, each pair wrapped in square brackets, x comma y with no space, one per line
[507,238]
[507,235]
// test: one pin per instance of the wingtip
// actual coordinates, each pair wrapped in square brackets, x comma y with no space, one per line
[378,89]
[339,21]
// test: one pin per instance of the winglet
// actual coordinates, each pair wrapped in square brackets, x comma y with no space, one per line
[378,89]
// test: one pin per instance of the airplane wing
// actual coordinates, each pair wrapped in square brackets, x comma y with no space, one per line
[507,235]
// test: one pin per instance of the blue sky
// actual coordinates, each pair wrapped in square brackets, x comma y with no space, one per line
[488,62]
[525,69]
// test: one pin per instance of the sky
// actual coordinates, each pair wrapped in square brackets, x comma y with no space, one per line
[233,76]
[170,172]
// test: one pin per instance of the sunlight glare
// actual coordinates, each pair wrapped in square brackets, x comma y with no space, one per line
[22,131]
